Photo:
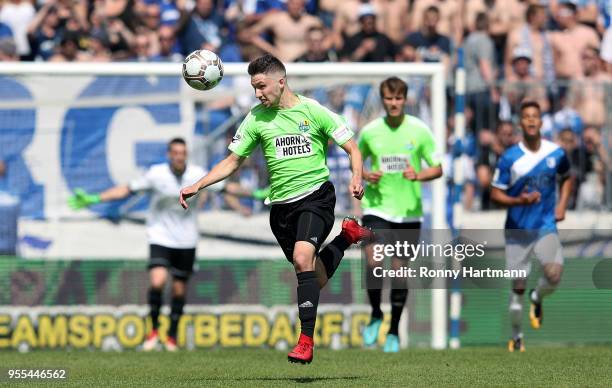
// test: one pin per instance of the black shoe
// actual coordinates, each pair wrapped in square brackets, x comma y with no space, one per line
[535,311]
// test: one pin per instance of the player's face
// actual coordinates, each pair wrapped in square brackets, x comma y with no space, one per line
[531,122]
[178,157]
[268,88]
[393,102]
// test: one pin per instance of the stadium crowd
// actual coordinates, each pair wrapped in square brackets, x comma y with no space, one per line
[557,52]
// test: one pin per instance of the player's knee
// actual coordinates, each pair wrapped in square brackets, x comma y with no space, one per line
[553,274]
[178,288]
[302,262]
[553,277]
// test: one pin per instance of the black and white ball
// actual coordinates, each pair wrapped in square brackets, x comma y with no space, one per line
[202,70]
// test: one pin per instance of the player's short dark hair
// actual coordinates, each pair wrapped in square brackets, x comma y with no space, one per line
[176,140]
[394,85]
[529,104]
[266,64]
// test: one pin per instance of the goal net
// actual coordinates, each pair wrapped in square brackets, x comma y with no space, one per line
[93,126]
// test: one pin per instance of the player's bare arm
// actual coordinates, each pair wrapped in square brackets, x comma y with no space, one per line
[356,187]
[218,173]
[115,193]
[82,199]
[500,197]
[426,174]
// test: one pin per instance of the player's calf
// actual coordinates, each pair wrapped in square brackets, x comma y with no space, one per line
[546,286]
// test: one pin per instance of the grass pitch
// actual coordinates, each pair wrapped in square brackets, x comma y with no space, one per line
[539,366]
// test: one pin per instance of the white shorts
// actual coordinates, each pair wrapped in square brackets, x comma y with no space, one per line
[547,249]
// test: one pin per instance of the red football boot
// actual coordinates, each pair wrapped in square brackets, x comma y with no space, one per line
[353,232]
[303,351]
[151,341]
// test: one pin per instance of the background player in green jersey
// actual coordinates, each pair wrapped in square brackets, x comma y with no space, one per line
[293,132]
[396,144]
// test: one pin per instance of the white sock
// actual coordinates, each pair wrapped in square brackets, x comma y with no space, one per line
[543,289]
[515,309]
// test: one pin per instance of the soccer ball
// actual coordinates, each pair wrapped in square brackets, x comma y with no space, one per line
[202,70]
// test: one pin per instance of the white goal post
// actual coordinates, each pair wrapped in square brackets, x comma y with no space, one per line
[435,72]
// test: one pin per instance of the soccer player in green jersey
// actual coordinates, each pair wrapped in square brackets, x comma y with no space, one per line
[396,145]
[293,132]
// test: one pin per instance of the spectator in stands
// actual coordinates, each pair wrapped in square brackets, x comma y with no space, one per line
[532,35]
[252,11]
[150,26]
[368,45]
[406,52]
[98,21]
[18,14]
[169,14]
[237,11]
[595,148]
[568,140]
[142,48]
[591,191]
[201,28]
[492,146]
[289,29]
[569,43]
[247,50]
[588,93]
[8,50]
[120,38]
[506,15]
[450,23]
[471,9]
[98,48]
[481,89]
[43,32]
[392,18]
[167,46]
[586,10]
[431,46]
[69,50]
[346,19]
[521,85]
[315,47]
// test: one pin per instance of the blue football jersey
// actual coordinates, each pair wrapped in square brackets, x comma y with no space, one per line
[521,170]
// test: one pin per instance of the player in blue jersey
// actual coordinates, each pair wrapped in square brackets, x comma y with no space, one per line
[525,181]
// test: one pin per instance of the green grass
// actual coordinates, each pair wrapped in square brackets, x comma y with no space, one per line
[482,366]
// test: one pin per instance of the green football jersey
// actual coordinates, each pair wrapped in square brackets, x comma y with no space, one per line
[294,143]
[395,198]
